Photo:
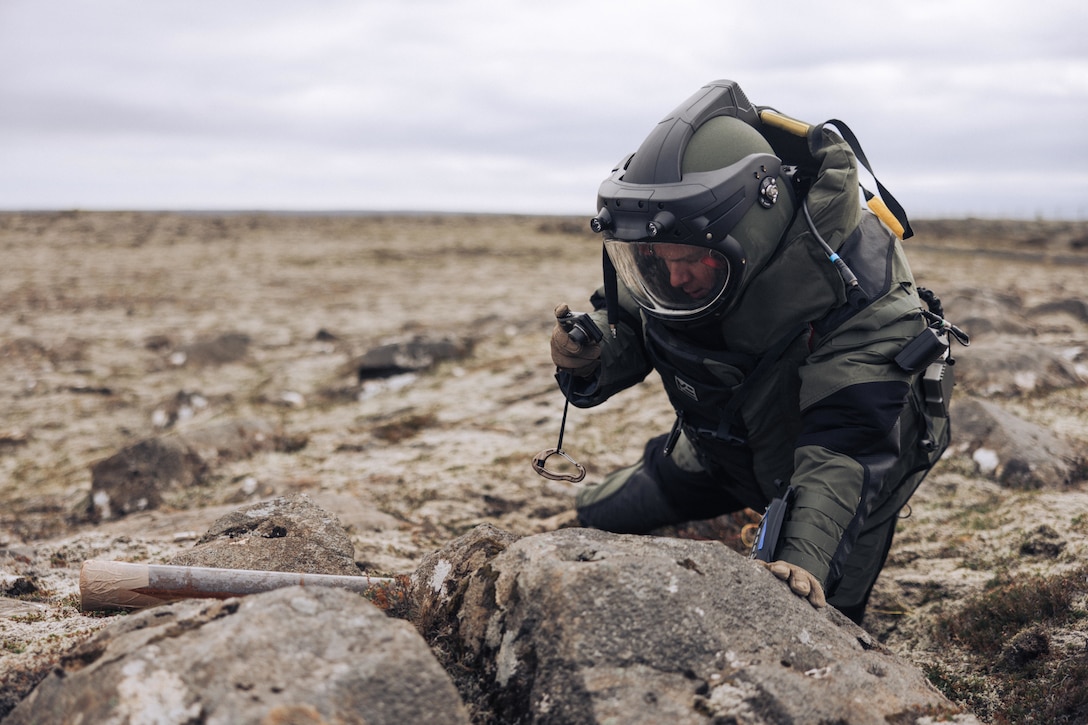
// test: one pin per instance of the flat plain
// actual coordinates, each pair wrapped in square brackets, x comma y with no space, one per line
[101,315]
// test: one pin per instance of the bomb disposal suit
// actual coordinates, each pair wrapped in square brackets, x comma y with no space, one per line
[724,230]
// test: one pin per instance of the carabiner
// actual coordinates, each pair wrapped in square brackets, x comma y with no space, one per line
[540,461]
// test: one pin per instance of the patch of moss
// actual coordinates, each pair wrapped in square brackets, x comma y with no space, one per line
[1056,693]
[970,689]
[1013,674]
[988,620]
[393,598]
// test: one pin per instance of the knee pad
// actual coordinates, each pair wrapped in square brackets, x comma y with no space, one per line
[629,501]
[653,493]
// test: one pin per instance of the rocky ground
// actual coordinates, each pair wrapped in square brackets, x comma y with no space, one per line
[120,327]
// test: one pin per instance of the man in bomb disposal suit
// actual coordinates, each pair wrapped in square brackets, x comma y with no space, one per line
[809,379]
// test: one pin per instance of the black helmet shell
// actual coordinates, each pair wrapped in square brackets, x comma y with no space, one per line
[705,177]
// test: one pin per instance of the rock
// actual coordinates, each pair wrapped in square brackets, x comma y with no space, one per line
[289,534]
[1012,451]
[10,608]
[1008,367]
[294,655]
[1023,648]
[434,584]
[983,312]
[583,626]
[1042,541]
[226,348]
[12,585]
[12,438]
[1072,306]
[178,408]
[235,439]
[415,355]
[137,477]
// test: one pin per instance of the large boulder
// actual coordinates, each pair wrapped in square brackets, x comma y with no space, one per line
[1010,450]
[294,655]
[582,626]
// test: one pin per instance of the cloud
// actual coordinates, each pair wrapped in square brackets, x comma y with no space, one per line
[519,107]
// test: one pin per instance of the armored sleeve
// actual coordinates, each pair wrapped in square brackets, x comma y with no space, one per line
[852,397]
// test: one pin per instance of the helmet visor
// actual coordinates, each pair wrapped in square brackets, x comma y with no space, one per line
[671,280]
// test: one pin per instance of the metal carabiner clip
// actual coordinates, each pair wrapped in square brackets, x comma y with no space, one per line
[540,462]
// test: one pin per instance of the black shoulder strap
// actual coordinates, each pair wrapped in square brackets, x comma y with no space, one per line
[890,201]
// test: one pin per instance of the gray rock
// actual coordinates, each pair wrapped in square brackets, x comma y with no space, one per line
[136,477]
[986,312]
[178,408]
[414,355]
[1043,541]
[582,626]
[1012,451]
[295,655]
[226,348]
[234,439]
[289,534]
[1008,367]
[1073,307]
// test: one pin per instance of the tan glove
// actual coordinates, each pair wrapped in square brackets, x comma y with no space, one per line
[801,582]
[581,359]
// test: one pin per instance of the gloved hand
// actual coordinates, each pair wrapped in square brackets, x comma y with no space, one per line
[801,582]
[581,359]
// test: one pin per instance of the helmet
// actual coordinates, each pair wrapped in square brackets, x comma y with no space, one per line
[700,202]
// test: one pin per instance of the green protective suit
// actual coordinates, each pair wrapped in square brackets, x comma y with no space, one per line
[825,408]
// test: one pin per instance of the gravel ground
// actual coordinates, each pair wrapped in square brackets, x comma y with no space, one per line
[105,321]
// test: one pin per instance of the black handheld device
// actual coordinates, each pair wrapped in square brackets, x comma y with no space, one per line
[581,327]
[770,528]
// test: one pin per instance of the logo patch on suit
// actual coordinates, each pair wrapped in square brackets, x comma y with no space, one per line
[686,388]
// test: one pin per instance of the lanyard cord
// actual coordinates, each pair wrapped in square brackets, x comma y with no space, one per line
[566,407]
[540,460]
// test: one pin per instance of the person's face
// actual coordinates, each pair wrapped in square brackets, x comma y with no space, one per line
[691,269]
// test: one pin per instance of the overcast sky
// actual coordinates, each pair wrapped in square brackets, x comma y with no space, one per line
[965,107]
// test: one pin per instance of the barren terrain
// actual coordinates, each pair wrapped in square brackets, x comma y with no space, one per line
[107,320]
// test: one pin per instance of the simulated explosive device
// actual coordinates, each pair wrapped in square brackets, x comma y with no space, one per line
[123,585]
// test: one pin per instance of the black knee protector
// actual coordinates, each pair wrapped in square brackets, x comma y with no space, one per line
[637,507]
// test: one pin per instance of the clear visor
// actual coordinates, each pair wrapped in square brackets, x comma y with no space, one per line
[672,280]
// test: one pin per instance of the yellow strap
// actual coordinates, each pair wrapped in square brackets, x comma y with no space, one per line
[878,207]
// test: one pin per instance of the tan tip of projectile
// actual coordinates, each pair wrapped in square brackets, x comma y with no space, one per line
[112,585]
